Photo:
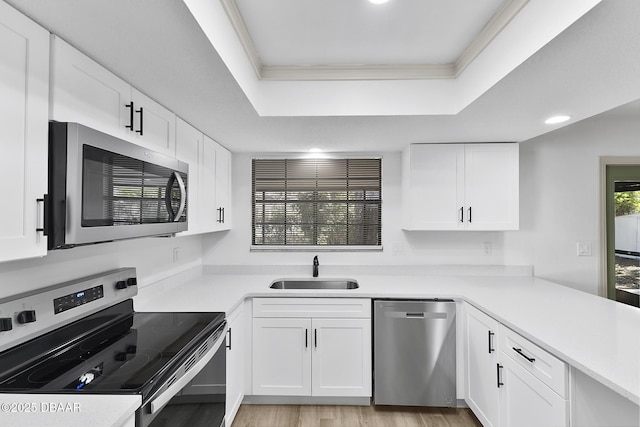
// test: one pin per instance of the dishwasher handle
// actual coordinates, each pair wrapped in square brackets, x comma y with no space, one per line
[414,315]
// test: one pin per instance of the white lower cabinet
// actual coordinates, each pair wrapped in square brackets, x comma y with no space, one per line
[312,347]
[525,401]
[281,357]
[512,382]
[236,349]
[481,366]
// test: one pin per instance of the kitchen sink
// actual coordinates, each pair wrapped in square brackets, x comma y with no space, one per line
[314,284]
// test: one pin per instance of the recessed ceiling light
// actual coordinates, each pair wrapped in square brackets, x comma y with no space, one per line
[557,119]
[378,1]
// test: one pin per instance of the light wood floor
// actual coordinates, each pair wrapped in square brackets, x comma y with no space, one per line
[352,416]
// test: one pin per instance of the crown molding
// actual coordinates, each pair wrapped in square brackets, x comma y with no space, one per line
[371,72]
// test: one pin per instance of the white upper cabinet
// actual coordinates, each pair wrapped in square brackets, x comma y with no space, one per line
[209,179]
[460,187]
[24,84]
[83,91]
[223,188]
[154,125]
[188,146]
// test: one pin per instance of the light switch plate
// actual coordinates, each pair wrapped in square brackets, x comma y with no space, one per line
[583,249]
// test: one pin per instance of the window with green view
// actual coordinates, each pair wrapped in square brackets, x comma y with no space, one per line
[316,202]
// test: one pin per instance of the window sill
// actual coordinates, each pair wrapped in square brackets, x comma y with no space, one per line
[266,248]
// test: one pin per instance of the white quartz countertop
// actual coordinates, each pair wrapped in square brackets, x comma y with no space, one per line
[595,335]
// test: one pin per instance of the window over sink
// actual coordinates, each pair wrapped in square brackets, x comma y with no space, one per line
[331,203]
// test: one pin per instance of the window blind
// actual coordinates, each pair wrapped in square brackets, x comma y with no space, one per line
[321,202]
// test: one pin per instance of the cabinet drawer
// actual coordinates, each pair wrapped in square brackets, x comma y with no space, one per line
[312,307]
[543,365]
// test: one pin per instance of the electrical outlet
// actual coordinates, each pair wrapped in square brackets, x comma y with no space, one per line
[487,248]
[397,249]
[176,254]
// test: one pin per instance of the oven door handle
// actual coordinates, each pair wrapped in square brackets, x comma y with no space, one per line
[159,401]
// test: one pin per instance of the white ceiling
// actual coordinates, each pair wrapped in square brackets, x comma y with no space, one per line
[158,46]
[295,32]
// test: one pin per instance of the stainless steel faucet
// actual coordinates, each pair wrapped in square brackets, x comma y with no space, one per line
[315,266]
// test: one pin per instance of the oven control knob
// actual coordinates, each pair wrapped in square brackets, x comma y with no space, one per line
[132,281]
[27,316]
[6,324]
[121,284]
[132,349]
[121,356]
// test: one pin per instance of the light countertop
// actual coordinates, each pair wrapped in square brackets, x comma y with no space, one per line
[595,335]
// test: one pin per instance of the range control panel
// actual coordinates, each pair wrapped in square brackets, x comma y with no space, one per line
[76,299]
[31,314]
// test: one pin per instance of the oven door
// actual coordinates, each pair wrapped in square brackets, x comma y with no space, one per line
[196,390]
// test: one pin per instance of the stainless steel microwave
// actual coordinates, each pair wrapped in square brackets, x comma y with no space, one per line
[103,188]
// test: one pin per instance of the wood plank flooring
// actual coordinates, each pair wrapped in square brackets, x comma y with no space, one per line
[352,416]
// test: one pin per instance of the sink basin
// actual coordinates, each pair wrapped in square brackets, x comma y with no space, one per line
[314,284]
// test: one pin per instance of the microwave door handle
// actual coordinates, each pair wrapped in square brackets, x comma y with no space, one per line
[175,176]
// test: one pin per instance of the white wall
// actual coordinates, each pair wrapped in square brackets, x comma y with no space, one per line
[559,206]
[399,247]
[560,198]
[152,257]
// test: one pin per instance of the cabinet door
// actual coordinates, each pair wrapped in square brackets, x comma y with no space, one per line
[188,146]
[207,196]
[24,78]
[154,126]
[236,338]
[433,187]
[527,402]
[491,187]
[482,359]
[281,356]
[85,92]
[223,188]
[341,361]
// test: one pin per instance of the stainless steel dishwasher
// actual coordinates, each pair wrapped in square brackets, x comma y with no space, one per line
[414,352]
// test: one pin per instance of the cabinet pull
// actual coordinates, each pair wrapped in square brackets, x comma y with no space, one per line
[491,349]
[306,338]
[521,353]
[141,112]
[229,339]
[131,110]
[469,214]
[42,228]
[498,372]
[315,338]
[222,215]
[461,214]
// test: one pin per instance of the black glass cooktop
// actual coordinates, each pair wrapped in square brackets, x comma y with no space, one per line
[116,350]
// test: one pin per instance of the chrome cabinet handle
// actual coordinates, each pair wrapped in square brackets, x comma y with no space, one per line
[315,338]
[521,353]
[306,338]
[229,340]
[469,214]
[491,349]
[498,372]
[461,214]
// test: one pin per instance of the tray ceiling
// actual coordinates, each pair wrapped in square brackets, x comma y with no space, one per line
[346,40]
[354,58]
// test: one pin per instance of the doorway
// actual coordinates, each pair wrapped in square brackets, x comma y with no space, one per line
[623,233]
